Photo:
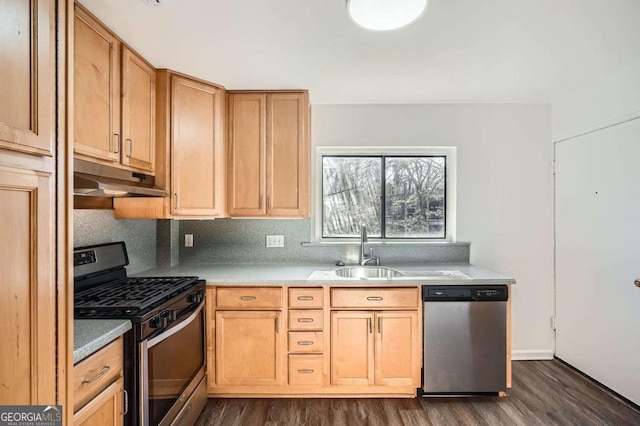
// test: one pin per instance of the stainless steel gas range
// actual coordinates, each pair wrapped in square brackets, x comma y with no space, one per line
[165,352]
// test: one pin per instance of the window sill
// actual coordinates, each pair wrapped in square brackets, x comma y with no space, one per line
[383,243]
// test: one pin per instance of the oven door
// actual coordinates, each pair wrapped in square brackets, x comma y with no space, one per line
[171,366]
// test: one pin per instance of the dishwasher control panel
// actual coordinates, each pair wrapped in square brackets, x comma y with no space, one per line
[474,293]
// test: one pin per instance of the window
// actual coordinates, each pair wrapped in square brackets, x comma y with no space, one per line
[397,195]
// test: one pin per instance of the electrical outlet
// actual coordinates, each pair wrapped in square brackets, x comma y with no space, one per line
[275,240]
[188,240]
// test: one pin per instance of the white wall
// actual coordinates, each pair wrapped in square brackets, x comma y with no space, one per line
[607,101]
[595,120]
[504,189]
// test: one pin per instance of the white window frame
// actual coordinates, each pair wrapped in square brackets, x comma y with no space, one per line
[450,152]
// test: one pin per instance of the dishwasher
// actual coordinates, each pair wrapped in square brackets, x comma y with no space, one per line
[465,340]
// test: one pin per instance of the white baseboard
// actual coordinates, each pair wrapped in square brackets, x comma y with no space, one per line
[531,355]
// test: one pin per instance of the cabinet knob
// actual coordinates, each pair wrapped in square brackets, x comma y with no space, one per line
[637,282]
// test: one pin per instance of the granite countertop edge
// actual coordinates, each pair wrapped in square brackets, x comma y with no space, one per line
[298,274]
[91,335]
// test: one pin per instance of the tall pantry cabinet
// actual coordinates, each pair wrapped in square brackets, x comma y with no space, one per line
[33,217]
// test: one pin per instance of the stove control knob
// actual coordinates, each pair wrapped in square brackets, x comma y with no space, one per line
[155,322]
[195,297]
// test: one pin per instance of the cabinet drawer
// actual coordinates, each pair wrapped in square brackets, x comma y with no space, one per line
[374,298]
[305,341]
[305,298]
[305,320]
[95,373]
[248,297]
[305,369]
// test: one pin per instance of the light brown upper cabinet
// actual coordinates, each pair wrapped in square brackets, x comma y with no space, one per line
[138,112]
[268,158]
[114,99]
[27,49]
[197,148]
[190,152]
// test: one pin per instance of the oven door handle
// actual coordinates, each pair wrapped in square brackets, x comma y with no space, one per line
[173,330]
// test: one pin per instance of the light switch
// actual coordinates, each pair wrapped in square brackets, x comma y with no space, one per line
[275,240]
[188,240]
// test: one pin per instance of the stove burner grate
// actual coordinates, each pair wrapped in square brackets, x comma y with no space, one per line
[129,295]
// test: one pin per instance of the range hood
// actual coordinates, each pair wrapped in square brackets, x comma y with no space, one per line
[97,180]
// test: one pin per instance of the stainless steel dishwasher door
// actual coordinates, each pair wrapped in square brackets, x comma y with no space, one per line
[464,347]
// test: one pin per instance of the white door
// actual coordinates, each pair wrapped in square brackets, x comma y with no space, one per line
[598,256]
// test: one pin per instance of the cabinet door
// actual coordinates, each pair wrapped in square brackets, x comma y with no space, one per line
[106,409]
[27,49]
[138,112]
[249,348]
[27,299]
[352,361]
[197,149]
[397,353]
[287,155]
[96,90]
[247,152]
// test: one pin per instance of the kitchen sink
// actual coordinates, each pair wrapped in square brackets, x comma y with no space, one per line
[385,273]
[367,272]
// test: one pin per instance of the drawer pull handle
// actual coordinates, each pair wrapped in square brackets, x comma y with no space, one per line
[247,298]
[374,298]
[305,319]
[305,343]
[305,371]
[305,297]
[97,376]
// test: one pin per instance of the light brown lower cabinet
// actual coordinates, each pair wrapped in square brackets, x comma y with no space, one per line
[99,396]
[249,348]
[104,409]
[375,348]
[292,341]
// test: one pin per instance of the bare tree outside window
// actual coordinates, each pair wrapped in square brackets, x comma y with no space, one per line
[408,203]
[351,196]
[415,197]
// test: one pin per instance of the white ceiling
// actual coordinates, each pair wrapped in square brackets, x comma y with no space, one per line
[458,51]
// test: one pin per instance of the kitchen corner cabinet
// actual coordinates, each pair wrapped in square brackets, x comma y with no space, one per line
[197,148]
[190,155]
[269,154]
[27,78]
[114,99]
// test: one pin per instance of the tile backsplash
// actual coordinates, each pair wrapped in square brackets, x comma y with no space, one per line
[98,227]
[244,241]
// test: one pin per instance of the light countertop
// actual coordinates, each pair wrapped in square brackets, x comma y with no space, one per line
[91,335]
[279,274]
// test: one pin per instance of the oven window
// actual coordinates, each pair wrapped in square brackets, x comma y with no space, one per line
[173,363]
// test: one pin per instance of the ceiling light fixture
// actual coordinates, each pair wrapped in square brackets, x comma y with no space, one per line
[382,15]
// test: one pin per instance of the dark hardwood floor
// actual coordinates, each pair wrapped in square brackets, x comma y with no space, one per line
[543,393]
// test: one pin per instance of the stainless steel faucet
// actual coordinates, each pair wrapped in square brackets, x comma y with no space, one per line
[365,258]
